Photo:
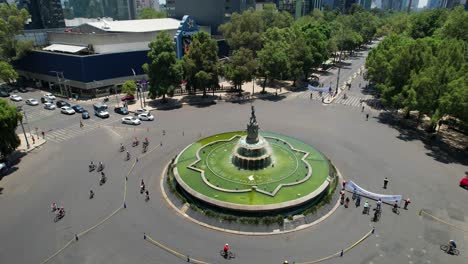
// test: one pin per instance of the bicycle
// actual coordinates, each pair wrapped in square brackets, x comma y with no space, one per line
[227,255]
[445,248]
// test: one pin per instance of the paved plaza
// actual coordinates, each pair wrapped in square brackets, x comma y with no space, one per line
[364,151]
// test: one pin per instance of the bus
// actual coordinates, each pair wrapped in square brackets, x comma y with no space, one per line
[100,110]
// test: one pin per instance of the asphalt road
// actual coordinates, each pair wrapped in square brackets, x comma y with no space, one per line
[365,152]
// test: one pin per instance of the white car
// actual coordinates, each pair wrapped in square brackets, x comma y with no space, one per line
[32,101]
[49,96]
[49,106]
[131,120]
[16,98]
[67,110]
[146,117]
[141,111]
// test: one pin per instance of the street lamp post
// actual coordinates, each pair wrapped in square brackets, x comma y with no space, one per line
[22,127]
[338,76]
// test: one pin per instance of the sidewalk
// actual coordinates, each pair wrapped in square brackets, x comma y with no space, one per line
[33,143]
[198,99]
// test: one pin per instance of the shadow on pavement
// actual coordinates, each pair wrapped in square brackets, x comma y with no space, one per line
[434,143]
[12,162]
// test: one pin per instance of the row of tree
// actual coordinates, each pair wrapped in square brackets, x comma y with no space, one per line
[421,66]
[265,44]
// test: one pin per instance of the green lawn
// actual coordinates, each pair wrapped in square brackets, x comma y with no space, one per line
[289,168]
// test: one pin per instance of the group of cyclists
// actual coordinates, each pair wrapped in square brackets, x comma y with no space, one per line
[135,143]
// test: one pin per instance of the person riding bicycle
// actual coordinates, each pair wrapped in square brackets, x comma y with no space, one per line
[122,148]
[366,207]
[226,248]
[91,165]
[452,245]
[146,141]
[91,193]
[395,206]
[128,155]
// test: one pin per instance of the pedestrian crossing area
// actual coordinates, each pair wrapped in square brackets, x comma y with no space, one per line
[35,115]
[64,134]
[307,95]
[352,100]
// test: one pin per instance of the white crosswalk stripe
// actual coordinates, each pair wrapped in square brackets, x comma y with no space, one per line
[34,115]
[306,95]
[64,134]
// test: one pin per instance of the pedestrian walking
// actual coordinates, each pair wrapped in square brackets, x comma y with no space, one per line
[407,202]
[362,109]
[366,208]
[346,202]
[385,183]
[367,116]
[358,200]
[311,95]
[33,140]
[342,198]
[344,185]
[379,204]
[354,194]
[43,135]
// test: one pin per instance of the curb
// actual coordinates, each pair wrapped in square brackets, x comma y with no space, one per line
[229,231]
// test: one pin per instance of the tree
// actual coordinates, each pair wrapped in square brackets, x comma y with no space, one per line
[241,67]
[129,87]
[9,117]
[164,70]
[7,73]
[273,57]
[424,24]
[244,30]
[12,21]
[201,66]
[150,13]
[456,25]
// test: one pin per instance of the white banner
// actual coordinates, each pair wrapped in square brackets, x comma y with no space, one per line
[390,199]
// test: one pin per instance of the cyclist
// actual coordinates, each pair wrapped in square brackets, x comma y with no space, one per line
[366,208]
[452,245]
[128,155]
[226,249]
[395,207]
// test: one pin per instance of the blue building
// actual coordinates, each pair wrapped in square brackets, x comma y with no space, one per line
[97,57]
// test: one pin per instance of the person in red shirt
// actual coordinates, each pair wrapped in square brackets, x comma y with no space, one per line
[226,248]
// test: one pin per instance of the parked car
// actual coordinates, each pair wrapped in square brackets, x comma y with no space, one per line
[131,120]
[78,108]
[141,111]
[4,93]
[49,96]
[121,110]
[32,101]
[62,103]
[16,98]
[49,106]
[67,110]
[85,115]
[146,117]
[464,183]
[127,97]
[22,90]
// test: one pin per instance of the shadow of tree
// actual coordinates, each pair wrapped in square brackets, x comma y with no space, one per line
[437,148]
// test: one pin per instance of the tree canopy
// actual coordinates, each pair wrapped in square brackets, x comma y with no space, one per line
[164,69]
[129,87]
[12,21]
[9,117]
[150,13]
[423,68]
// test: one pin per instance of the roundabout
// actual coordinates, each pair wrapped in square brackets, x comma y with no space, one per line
[245,171]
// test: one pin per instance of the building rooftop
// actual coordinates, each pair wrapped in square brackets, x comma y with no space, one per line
[140,25]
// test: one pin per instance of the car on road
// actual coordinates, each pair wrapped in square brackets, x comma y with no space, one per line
[32,101]
[67,110]
[141,111]
[464,183]
[16,98]
[127,97]
[49,96]
[146,117]
[62,103]
[49,106]
[78,108]
[4,93]
[85,115]
[121,110]
[131,120]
